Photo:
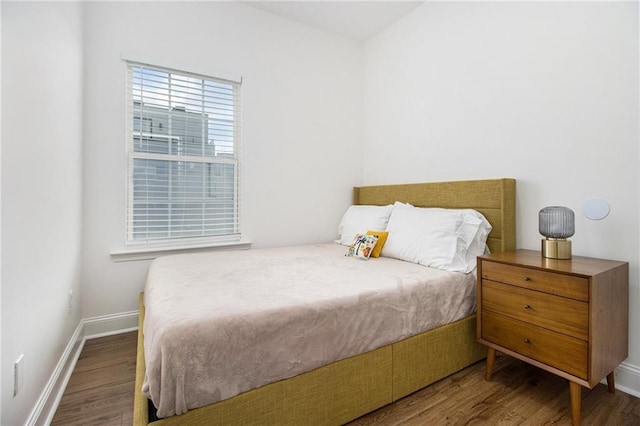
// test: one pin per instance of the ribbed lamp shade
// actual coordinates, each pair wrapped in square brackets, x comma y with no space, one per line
[557,224]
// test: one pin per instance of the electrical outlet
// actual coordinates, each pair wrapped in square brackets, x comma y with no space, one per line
[70,300]
[18,375]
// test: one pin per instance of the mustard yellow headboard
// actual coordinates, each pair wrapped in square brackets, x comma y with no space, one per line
[494,198]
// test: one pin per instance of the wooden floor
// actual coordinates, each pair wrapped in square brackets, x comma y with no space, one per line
[100,391]
[101,388]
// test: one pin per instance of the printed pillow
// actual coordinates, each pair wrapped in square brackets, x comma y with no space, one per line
[382,238]
[362,246]
[358,219]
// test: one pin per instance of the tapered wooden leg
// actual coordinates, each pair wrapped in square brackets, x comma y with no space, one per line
[491,357]
[576,392]
[611,384]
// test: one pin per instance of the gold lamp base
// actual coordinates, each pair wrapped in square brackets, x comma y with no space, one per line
[556,248]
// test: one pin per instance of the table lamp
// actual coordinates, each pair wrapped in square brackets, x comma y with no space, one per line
[556,224]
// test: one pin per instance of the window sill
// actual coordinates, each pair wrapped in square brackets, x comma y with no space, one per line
[147,253]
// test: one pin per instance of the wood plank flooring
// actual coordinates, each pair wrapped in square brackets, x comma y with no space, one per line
[519,394]
[101,388]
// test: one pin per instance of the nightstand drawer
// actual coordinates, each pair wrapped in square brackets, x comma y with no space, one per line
[557,350]
[567,316]
[548,282]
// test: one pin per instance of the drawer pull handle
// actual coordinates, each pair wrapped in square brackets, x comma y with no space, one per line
[527,279]
[527,306]
[527,341]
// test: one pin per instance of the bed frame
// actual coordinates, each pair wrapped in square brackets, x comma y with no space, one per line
[347,389]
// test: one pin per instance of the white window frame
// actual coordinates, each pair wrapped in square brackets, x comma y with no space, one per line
[149,248]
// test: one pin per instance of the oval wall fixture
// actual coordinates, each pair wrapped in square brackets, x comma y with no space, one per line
[596,208]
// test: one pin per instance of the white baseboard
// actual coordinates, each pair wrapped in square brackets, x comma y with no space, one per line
[627,378]
[90,328]
[52,393]
[107,325]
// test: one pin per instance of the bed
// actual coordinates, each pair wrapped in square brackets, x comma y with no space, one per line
[343,390]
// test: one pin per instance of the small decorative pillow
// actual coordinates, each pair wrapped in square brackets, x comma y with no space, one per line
[362,246]
[382,238]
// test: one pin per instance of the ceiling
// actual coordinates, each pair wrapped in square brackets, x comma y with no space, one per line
[358,20]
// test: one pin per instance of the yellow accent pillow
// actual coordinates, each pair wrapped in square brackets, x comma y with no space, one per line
[382,238]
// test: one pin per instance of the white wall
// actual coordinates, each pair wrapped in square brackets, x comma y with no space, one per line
[546,93]
[41,192]
[0,219]
[301,130]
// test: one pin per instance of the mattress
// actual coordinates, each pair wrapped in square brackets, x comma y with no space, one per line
[220,323]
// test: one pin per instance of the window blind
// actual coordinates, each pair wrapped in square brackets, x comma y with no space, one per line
[183,134]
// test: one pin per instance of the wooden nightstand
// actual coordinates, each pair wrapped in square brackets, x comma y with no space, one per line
[568,317]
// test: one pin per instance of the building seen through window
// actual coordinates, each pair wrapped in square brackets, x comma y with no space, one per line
[183,162]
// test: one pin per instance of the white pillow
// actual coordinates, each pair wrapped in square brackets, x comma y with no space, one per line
[440,238]
[400,204]
[359,219]
[478,246]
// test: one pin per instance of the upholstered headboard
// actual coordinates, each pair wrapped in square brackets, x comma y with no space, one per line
[494,198]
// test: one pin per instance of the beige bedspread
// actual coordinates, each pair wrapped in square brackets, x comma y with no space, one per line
[218,324]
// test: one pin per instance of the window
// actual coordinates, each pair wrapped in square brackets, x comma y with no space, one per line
[183,133]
